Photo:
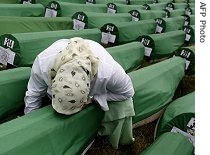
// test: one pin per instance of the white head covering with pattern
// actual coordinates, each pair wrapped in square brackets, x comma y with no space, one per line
[70,76]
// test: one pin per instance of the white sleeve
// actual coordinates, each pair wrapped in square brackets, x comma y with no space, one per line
[120,86]
[37,88]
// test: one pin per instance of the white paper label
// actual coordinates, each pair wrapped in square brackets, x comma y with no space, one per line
[112,37]
[50,13]
[107,37]
[89,3]
[169,8]
[186,23]
[6,56]
[189,136]
[26,2]
[104,38]
[158,29]
[191,123]
[147,51]
[135,18]
[187,38]
[110,10]
[187,63]
[78,25]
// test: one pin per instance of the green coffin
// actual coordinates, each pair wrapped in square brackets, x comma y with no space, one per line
[33,24]
[110,1]
[170,144]
[147,14]
[169,24]
[177,12]
[35,10]
[155,86]
[31,44]
[68,9]
[179,116]
[45,2]
[92,20]
[44,132]
[162,45]
[156,6]
[13,84]
[129,56]
[129,31]
[126,8]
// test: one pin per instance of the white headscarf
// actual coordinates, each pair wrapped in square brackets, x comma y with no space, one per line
[73,70]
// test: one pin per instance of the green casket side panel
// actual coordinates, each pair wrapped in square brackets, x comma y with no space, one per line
[177,114]
[130,31]
[35,10]
[46,132]
[110,1]
[177,12]
[171,24]
[69,9]
[155,86]
[9,1]
[167,43]
[126,8]
[158,6]
[173,144]
[99,19]
[13,90]
[33,24]
[31,44]
[46,2]
[129,56]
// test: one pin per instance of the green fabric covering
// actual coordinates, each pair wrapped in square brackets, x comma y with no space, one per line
[129,56]
[155,86]
[110,1]
[126,8]
[35,10]
[140,2]
[129,31]
[9,1]
[170,144]
[45,2]
[13,84]
[177,12]
[190,33]
[192,5]
[31,44]
[99,19]
[189,54]
[148,14]
[169,24]
[192,19]
[180,5]
[157,6]
[178,114]
[33,24]
[162,45]
[68,9]
[45,132]
[117,123]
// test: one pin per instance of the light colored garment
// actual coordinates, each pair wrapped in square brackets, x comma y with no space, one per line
[110,84]
[117,123]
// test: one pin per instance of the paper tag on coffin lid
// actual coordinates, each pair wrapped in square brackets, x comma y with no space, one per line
[53,9]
